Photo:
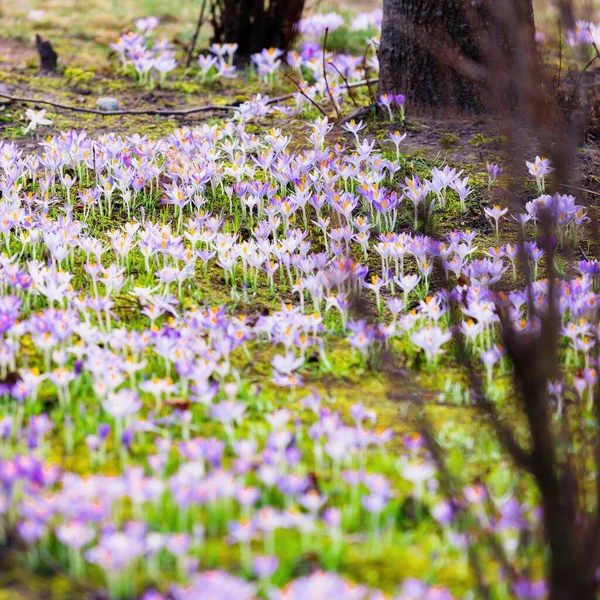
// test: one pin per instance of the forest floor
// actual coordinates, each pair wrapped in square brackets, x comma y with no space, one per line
[400,393]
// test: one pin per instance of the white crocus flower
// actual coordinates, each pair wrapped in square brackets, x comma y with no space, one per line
[36,117]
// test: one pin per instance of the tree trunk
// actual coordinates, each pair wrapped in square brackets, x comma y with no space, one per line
[457,54]
[256,24]
[565,586]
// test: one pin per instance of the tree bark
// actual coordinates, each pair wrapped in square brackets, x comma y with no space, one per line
[256,24]
[458,54]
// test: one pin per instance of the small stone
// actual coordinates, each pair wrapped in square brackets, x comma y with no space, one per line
[107,103]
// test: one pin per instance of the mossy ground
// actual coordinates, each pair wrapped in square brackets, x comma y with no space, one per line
[86,72]
[402,400]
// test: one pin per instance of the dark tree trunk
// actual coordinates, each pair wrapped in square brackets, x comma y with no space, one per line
[457,53]
[256,24]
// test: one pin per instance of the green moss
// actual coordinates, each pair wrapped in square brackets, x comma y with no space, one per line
[347,41]
[479,140]
[76,76]
[448,139]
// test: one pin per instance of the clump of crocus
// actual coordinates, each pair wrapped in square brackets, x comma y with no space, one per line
[493,171]
[388,101]
[539,168]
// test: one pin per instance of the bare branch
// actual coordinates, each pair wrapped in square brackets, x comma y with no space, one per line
[161,111]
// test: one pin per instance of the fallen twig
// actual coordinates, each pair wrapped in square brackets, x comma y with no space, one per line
[579,189]
[111,113]
[159,111]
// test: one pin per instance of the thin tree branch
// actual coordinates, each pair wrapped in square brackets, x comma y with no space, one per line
[367,79]
[199,24]
[520,456]
[306,95]
[345,80]
[335,106]
[355,84]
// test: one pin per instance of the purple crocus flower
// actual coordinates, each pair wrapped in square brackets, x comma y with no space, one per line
[215,584]
[442,512]
[530,590]
[265,566]
[103,431]
[413,442]
[31,531]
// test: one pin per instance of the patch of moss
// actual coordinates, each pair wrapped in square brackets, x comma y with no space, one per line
[78,77]
[448,139]
[479,140]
